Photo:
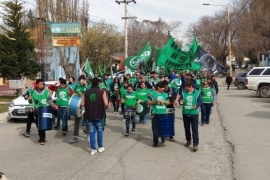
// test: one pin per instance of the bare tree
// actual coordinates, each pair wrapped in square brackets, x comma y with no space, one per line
[66,11]
[100,42]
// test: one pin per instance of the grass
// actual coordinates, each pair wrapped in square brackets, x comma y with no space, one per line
[3,108]
[7,98]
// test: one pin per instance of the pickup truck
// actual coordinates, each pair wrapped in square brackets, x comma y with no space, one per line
[258,79]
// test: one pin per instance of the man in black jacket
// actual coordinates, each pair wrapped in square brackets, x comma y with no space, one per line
[228,81]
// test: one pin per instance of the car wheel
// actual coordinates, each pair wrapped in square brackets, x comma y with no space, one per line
[241,85]
[264,91]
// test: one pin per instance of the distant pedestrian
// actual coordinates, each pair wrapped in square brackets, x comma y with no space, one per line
[228,81]
[95,102]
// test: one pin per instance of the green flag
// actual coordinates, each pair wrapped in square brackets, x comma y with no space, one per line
[88,69]
[101,73]
[132,62]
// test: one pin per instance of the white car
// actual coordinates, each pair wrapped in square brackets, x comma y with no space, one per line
[17,106]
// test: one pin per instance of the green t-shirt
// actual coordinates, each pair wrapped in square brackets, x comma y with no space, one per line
[132,80]
[79,90]
[190,100]
[159,108]
[130,99]
[198,84]
[142,94]
[63,97]
[40,99]
[108,83]
[207,95]
[102,85]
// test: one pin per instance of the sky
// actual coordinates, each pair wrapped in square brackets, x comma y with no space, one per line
[185,11]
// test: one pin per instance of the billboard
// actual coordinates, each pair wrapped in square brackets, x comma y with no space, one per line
[66,28]
[66,41]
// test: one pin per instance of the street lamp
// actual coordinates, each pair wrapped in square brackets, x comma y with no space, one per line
[229,33]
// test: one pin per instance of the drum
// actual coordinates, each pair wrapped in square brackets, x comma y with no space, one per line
[166,125]
[74,108]
[45,118]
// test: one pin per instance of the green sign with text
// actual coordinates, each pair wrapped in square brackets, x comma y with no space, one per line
[66,28]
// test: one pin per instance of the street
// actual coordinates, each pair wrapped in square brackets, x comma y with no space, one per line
[131,157]
[245,117]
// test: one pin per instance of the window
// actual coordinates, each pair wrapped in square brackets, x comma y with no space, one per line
[256,71]
[266,72]
[244,75]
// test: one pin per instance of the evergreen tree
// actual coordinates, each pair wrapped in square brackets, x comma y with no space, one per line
[17,55]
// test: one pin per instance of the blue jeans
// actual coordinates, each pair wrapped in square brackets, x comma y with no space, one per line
[128,119]
[192,120]
[205,112]
[96,127]
[143,118]
[62,114]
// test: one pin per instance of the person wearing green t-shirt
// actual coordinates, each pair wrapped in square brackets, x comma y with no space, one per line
[81,87]
[41,98]
[191,100]
[142,98]
[159,101]
[115,88]
[129,100]
[64,93]
[207,103]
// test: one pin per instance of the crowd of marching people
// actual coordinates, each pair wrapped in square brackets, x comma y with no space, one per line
[129,95]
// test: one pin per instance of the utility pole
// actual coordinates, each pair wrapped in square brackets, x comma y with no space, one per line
[126,25]
[41,42]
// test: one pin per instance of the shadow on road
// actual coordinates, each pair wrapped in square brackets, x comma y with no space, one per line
[259,114]
[242,96]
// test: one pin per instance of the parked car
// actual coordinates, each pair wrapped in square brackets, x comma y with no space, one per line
[240,81]
[17,106]
[258,79]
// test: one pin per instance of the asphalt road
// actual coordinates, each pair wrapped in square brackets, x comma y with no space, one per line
[245,117]
[130,157]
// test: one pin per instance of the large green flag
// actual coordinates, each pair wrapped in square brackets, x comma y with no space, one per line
[133,62]
[88,69]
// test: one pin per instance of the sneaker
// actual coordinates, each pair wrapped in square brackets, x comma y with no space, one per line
[73,139]
[133,131]
[100,150]
[126,134]
[188,143]
[195,147]
[93,152]
[26,134]
[163,140]
[124,120]
[39,141]
[64,133]
[202,124]
[155,145]
[114,112]
[171,139]
[56,127]
[42,142]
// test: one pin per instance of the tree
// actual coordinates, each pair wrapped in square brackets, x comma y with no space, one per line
[99,43]
[66,11]
[17,55]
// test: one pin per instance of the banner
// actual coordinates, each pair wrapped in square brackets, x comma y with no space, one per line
[88,69]
[207,61]
[133,62]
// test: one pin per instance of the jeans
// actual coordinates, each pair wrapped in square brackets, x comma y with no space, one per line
[143,118]
[128,119]
[192,120]
[96,127]
[62,114]
[155,128]
[205,112]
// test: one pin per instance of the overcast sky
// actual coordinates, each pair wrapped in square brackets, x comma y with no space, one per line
[186,11]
